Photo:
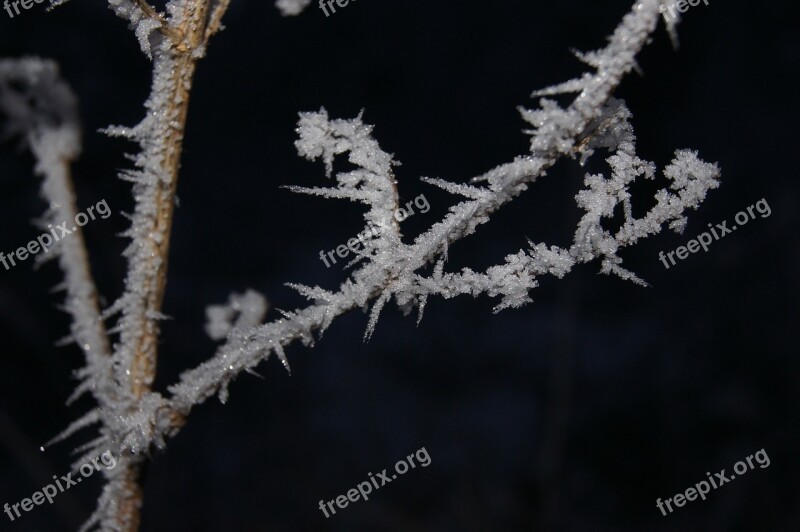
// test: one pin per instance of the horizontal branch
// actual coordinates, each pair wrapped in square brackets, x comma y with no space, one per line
[558,134]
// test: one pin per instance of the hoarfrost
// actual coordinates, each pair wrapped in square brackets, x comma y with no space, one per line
[407,272]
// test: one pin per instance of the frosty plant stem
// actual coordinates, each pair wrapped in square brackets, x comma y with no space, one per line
[160,135]
[132,417]
[151,259]
[122,386]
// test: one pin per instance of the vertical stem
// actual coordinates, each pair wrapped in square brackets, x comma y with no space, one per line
[182,57]
[143,368]
[129,508]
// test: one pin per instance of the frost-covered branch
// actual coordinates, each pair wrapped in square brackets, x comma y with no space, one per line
[160,138]
[122,381]
[133,418]
[39,106]
[42,109]
[592,121]
[691,179]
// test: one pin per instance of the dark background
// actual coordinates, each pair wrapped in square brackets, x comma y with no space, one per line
[574,413]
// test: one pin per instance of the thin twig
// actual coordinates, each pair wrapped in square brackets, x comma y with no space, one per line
[215,20]
[149,11]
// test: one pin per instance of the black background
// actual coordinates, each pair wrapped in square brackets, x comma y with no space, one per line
[574,413]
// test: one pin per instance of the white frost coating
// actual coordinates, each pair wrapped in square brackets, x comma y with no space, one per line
[243,311]
[46,115]
[144,29]
[292,7]
[593,121]
[671,21]
[129,424]
[42,108]
[408,273]
[149,178]
[142,23]
[127,9]
[41,103]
